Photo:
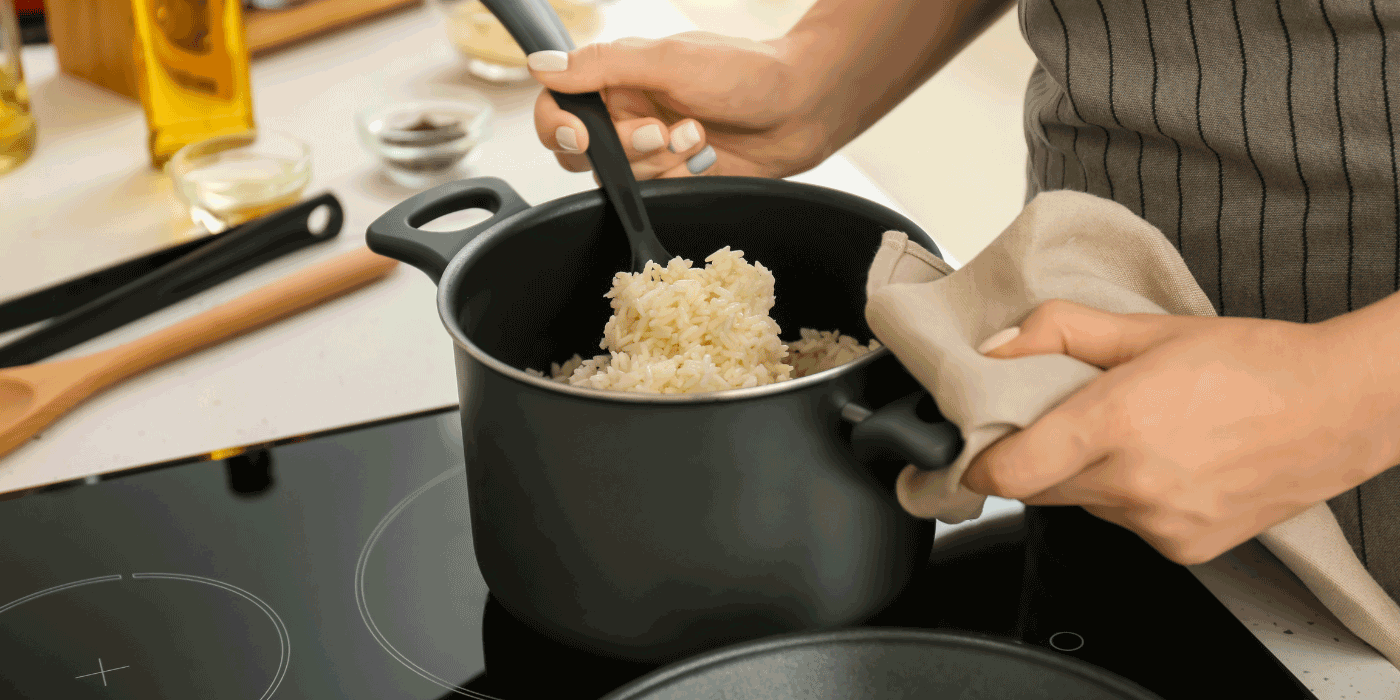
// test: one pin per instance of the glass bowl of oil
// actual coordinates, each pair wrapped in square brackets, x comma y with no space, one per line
[228,180]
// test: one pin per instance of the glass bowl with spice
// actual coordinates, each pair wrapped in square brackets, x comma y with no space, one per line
[422,142]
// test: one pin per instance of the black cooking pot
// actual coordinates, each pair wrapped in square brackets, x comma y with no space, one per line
[652,527]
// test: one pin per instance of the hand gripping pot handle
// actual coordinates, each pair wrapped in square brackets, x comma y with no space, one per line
[896,431]
[395,234]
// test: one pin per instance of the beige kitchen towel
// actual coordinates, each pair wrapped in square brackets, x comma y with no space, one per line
[1090,250]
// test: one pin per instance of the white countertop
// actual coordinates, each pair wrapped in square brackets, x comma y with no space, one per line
[88,198]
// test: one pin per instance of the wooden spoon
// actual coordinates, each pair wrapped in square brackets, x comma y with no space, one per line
[33,396]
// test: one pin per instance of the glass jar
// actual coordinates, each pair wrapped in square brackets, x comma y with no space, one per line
[491,52]
[18,132]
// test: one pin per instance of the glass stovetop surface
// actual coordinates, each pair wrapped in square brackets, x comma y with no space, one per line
[341,566]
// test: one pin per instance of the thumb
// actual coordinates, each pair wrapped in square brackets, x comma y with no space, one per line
[1100,338]
[637,63]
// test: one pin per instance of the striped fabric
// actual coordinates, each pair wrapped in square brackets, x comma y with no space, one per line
[1259,136]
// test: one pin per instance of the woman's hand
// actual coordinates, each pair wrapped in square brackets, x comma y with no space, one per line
[1203,432]
[690,104]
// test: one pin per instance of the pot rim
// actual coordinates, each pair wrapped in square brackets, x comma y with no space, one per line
[591,198]
[753,392]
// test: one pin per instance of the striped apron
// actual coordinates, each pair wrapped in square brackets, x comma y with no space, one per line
[1259,136]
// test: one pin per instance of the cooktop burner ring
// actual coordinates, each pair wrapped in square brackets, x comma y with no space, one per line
[362,604]
[283,637]
[58,588]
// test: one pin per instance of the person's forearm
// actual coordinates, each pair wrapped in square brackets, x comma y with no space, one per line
[1367,346]
[860,58]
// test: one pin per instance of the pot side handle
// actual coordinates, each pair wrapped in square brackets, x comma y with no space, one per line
[896,431]
[395,234]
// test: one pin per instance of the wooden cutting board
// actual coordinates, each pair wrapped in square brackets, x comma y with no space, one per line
[95,41]
[268,30]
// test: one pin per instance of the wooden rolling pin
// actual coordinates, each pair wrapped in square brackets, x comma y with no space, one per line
[33,396]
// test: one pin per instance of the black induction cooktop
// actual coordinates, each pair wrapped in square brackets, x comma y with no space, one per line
[340,566]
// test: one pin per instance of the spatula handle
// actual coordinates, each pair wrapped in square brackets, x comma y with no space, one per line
[535,26]
[286,297]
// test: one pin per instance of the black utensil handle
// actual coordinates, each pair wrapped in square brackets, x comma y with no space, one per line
[267,238]
[396,234]
[58,299]
[226,256]
[896,431]
[537,27]
[610,162]
[533,24]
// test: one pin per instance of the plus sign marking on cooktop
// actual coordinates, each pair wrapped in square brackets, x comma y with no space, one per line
[137,614]
[101,671]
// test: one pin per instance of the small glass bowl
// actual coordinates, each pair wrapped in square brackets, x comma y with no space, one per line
[227,180]
[422,142]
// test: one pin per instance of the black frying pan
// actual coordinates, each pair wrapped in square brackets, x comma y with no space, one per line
[885,664]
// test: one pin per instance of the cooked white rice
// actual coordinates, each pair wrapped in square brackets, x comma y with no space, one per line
[819,351]
[677,329]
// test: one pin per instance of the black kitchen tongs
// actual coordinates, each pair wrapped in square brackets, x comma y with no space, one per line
[84,308]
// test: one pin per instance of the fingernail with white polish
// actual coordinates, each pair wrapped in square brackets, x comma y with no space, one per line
[567,139]
[647,139]
[999,339]
[548,61]
[685,138]
[700,162]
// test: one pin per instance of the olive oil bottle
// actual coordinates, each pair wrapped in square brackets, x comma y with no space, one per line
[17,130]
[194,79]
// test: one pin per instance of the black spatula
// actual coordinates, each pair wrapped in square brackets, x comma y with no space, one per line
[536,27]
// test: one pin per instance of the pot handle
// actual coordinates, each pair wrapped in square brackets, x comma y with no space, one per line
[896,431]
[395,234]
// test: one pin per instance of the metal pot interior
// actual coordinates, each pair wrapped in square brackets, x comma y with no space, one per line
[530,292]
